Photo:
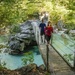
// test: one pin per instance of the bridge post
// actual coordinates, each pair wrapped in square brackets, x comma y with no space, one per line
[51,38]
[74,59]
[47,56]
[36,34]
[39,36]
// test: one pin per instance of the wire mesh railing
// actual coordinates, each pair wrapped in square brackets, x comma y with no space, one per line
[65,46]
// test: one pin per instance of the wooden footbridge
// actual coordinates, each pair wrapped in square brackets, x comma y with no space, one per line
[53,61]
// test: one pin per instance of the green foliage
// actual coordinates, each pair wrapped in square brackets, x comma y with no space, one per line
[68,57]
[2,46]
[54,16]
[15,29]
[47,73]
[2,65]
[28,58]
[70,20]
[17,11]
[70,25]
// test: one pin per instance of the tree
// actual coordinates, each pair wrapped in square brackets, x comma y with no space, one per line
[17,11]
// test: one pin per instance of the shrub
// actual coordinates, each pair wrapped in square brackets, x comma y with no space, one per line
[15,29]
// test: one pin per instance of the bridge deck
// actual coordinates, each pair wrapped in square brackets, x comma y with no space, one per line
[57,66]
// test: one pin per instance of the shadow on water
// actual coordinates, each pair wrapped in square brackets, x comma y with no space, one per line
[34,49]
[21,53]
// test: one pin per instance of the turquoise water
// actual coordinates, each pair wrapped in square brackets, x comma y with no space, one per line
[15,61]
[65,46]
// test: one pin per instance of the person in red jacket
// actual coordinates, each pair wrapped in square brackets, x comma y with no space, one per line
[48,32]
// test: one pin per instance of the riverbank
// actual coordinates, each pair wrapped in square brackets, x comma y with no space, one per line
[31,69]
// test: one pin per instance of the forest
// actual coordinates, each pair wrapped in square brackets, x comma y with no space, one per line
[17,11]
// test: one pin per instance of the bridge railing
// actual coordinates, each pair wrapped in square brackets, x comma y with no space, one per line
[65,46]
[37,34]
[62,44]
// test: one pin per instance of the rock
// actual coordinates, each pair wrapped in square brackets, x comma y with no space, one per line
[21,40]
[14,44]
[42,67]
[26,70]
[33,65]
[14,52]
[60,24]
[72,32]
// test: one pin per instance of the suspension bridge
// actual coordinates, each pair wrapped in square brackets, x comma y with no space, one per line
[54,63]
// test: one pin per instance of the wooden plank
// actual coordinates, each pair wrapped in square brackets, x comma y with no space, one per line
[57,65]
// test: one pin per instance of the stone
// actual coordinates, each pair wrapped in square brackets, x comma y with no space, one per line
[42,67]
[19,41]
[60,24]
[72,32]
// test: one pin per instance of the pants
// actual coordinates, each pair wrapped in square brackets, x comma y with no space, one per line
[47,38]
[42,36]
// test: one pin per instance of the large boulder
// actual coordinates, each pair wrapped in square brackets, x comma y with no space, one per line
[72,32]
[20,41]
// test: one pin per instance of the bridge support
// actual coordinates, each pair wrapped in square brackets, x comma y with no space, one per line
[47,56]
[74,59]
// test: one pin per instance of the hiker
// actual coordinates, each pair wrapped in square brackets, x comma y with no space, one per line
[48,32]
[42,33]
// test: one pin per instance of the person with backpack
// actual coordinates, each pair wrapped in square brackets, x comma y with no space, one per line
[48,32]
